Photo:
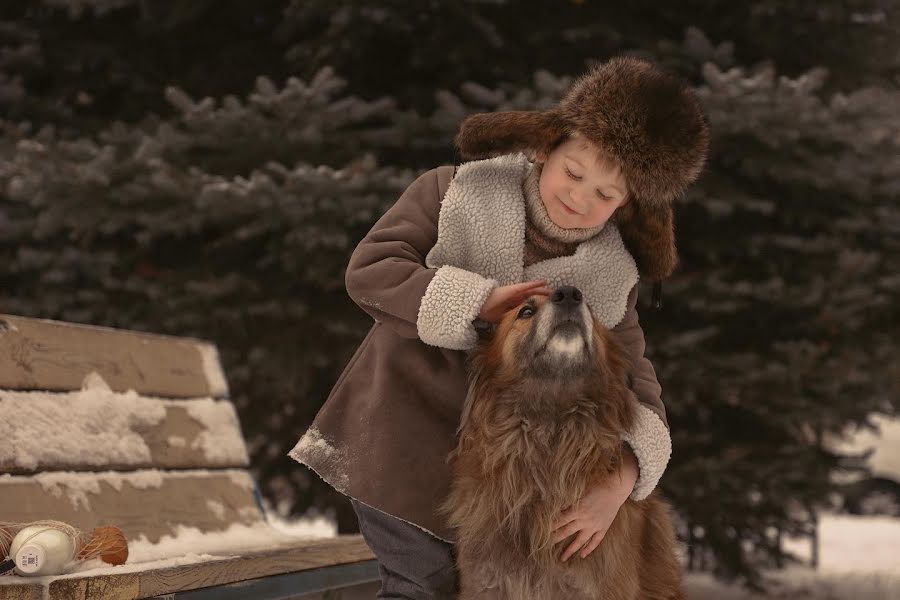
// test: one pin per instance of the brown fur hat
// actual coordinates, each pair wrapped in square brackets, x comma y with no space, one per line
[647,120]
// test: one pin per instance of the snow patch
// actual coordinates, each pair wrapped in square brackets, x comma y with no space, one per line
[76,489]
[212,368]
[885,461]
[314,449]
[239,478]
[858,559]
[190,546]
[95,426]
[217,508]
[94,381]
[218,417]
[79,486]
[852,544]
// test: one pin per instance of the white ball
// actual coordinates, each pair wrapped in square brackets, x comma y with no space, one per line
[41,550]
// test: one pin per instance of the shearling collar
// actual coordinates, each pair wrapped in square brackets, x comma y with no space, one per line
[481,228]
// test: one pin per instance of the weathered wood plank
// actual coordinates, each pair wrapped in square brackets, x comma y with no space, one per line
[319,555]
[40,354]
[151,503]
[123,587]
[308,555]
[116,432]
[353,581]
[21,591]
[258,589]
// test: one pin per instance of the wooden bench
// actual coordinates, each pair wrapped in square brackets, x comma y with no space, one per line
[100,426]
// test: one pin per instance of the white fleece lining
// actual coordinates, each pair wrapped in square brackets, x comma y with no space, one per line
[652,446]
[451,302]
[481,230]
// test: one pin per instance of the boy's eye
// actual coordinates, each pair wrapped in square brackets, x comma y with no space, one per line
[600,194]
[525,312]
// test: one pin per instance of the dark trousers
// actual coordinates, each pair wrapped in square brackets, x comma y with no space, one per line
[411,562]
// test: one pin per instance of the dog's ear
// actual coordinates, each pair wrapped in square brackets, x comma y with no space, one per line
[485,329]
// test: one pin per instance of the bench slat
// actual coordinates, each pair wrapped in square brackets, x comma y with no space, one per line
[21,591]
[350,579]
[313,554]
[211,438]
[209,501]
[40,354]
[307,567]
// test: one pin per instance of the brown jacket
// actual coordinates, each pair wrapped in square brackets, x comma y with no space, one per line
[383,434]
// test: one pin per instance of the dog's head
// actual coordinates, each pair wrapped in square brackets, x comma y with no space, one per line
[551,338]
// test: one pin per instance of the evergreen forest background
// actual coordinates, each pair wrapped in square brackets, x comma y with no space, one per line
[206,168]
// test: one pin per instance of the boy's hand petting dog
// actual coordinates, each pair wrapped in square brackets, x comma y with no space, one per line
[594,514]
[506,297]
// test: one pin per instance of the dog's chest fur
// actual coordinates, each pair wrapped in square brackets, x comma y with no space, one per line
[522,461]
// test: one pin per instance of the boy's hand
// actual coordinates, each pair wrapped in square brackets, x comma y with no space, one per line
[594,514]
[505,297]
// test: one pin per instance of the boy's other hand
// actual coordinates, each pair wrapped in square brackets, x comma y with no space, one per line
[503,298]
[594,514]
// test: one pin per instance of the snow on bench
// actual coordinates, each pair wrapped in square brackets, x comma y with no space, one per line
[101,426]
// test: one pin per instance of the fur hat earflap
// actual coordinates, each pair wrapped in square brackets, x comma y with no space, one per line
[646,119]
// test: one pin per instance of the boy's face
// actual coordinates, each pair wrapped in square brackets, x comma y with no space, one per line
[577,190]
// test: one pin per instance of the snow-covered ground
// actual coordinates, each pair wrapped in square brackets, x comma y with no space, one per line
[859,559]
[885,461]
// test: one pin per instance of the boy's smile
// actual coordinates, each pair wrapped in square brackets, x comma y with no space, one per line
[577,189]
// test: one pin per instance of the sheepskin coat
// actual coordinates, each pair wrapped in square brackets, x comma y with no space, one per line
[423,272]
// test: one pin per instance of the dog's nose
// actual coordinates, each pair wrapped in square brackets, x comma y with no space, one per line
[567,296]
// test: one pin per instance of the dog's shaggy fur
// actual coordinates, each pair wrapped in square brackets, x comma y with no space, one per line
[547,402]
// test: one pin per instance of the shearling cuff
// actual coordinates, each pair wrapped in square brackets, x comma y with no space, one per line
[451,302]
[652,446]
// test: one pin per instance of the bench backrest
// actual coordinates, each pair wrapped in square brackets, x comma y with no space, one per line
[101,426]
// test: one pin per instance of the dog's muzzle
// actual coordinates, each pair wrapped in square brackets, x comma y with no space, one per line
[564,327]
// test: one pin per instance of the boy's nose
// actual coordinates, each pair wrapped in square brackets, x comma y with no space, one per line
[575,200]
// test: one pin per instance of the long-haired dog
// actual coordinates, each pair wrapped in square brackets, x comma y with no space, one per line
[548,399]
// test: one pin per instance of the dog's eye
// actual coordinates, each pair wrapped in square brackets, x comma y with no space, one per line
[526,312]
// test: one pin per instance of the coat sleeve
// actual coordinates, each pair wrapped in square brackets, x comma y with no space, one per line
[387,276]
[649,437]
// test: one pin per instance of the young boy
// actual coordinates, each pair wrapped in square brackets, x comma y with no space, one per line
[577,195]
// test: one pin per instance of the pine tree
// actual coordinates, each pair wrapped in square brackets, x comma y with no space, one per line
[777,327]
